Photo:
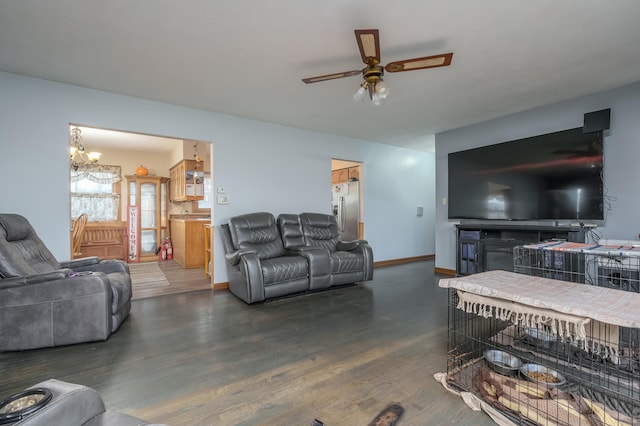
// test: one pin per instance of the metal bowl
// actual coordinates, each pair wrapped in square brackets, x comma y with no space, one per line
[502,362]
[542,375]
[539,338]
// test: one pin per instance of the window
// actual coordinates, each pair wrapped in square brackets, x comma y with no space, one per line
[95,190]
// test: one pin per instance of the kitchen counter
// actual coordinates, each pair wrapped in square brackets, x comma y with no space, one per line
[188,240]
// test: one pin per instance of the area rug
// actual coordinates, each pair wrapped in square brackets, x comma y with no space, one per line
[147,275]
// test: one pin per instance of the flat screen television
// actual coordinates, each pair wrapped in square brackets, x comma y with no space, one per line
[557,176]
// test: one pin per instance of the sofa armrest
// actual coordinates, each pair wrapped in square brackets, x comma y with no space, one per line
[319,263]
[71,404]
[106,266]
[234,258]
[33,279]
[78,263]
[251,269]
[350,245]
[55,308]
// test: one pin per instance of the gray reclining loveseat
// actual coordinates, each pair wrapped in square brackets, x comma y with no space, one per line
[268,258]
[45,303]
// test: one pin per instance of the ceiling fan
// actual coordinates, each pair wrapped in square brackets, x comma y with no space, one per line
[369,45]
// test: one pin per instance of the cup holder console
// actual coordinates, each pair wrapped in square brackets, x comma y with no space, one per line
[21,404]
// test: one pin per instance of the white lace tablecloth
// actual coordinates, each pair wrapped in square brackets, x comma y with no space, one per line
[605,305]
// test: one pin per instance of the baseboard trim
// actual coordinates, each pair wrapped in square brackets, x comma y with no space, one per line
[444,271]
[221,286]
[392,262]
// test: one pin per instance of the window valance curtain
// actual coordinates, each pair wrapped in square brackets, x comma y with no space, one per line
[97,173]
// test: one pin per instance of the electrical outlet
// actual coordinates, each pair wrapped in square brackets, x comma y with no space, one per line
[444,201]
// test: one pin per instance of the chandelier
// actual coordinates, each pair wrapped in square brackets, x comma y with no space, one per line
[373,84]
[79,157]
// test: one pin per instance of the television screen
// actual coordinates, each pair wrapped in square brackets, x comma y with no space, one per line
[557,176]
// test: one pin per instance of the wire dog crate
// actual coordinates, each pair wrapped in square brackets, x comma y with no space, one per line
[539,370]
[611,266]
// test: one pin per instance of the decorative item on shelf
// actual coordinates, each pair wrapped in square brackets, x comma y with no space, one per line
[195,155]
[142,171]
[198,169]
[79,157]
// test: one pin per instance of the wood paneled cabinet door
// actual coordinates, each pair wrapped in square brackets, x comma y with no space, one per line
[187,181]
[343,175]
[147,218]
[339,176]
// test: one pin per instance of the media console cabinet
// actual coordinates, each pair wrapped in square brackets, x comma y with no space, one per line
[486,247]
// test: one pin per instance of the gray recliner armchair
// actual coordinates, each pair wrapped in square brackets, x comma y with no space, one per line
[258,265]
[46,303]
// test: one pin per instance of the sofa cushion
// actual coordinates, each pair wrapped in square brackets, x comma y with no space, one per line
[259,232]
[320,230]
[282,269]
[346,261]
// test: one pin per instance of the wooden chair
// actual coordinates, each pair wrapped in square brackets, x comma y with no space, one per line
[77,234]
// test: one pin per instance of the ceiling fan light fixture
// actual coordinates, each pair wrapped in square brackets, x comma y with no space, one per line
[361,93]
[381,89]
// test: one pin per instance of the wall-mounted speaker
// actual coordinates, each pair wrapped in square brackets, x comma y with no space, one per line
[596,121]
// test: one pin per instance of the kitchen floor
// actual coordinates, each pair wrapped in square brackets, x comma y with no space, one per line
[181,281]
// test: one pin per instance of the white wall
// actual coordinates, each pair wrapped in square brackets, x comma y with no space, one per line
[265,167]
[621,149]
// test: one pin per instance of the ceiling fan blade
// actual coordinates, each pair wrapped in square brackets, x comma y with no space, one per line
[369,45]
[435,61]
[332,76]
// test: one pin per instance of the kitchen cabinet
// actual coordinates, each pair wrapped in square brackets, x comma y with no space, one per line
[188,239]
[354,173]
[147,218]
[187,181]
[343,175]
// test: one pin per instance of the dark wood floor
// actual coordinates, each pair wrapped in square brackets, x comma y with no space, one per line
[206,358]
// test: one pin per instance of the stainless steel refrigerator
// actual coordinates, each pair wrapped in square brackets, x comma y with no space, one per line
[346,208]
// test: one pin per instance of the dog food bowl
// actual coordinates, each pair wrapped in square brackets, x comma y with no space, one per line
[539,338]
[542,375]
[502,362]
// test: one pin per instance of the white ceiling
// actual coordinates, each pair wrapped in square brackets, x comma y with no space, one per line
[247,57]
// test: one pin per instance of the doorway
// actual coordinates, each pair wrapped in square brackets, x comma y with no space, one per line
[142,156]
[347,199]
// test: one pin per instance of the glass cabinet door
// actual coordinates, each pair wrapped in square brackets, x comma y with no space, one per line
[148,195]
[148,218]
[163,211]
